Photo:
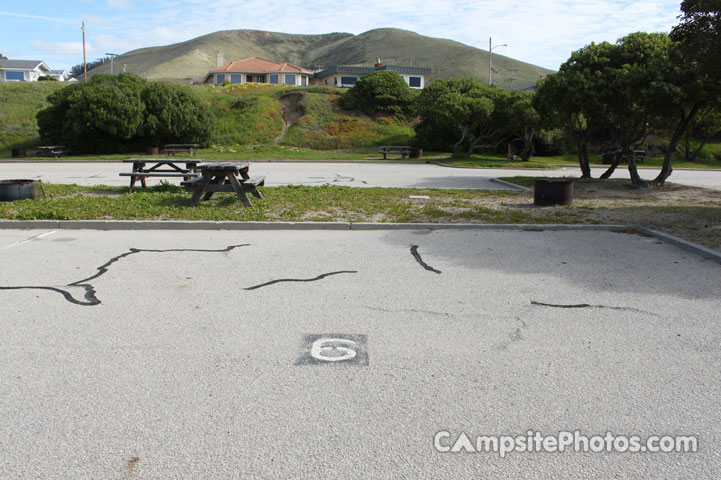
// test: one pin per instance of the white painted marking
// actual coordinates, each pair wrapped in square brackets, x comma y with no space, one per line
[318,349]
[419,197]
[28,240]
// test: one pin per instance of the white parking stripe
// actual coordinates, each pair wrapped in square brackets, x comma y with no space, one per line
[27,240]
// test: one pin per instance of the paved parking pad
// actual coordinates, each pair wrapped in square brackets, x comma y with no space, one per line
[306,354]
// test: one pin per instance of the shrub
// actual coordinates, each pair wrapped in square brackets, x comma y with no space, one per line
[382,91]
[117,113]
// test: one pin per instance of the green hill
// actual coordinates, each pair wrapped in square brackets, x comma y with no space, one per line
[192,59]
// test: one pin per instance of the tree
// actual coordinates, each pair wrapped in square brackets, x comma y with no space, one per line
[514,110]
[78,70]
[698,41]
[616,94]
[173,115]
[118,113]
[383,91]
[455,113]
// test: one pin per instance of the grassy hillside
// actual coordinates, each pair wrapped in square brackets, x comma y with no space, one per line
[19,103]
[192,59]
[247,114]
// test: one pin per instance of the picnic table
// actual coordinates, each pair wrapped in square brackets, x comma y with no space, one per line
[178,167]
[224,177]
[51,150]
[173,148]
[402,149]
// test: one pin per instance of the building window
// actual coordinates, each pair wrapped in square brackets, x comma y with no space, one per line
[219,79]
[259,79]
[249,78]
[290,79]
[273,78]
[236,78]
[345,81]
[18,76]
[414,82]
[303,81]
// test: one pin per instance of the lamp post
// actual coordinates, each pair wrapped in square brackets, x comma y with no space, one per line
[490,56]
[112,56]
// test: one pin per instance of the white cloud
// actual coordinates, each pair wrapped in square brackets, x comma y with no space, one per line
[59,48]
[121,4]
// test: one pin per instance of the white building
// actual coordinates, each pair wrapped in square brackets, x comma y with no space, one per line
[22,70]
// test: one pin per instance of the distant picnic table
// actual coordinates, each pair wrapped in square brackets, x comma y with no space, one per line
[224,177]
[173,148]
[51,150]
[177,167]
[404,150]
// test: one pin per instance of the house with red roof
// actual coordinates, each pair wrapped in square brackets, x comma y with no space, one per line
[257,70]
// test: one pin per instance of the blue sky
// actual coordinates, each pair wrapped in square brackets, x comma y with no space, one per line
[541,32]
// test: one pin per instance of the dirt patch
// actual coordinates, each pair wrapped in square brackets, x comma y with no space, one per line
[292,112]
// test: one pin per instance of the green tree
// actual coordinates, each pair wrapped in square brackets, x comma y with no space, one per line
[456,113]
[118,113]
[514,110]
[616,94]
[173,115]
[383,91]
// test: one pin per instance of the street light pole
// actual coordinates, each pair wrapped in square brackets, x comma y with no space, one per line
[112,56]
[490,56]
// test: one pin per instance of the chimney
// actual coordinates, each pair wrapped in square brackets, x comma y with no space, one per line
[378,63]
[219,60]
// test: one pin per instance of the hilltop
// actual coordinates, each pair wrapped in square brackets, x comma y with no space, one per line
[184,61]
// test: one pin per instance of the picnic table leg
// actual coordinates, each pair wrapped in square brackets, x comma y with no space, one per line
[218,179]
[199,190]
[239,191]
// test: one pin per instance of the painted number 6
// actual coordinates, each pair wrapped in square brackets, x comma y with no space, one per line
[320,347]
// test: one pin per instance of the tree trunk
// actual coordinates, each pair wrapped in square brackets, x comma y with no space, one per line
[583,160]
[612,168]
[681,128]
[458,143]
[688,147]
[527,145]
[633,172]
[695,153]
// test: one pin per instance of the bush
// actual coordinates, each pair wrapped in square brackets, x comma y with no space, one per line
[119,113]
[382,91]
[47,78]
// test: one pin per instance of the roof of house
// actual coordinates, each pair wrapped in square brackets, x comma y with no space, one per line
[366,70]
[257,65]
[22,64]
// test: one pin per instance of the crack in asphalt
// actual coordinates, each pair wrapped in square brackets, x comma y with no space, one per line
[280,280]
[417,256]
[588,305]
[91,298]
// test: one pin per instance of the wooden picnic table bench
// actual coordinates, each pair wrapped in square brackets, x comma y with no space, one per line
[173,148]
[404,150]
[51,150]
[178,167]
[224,177]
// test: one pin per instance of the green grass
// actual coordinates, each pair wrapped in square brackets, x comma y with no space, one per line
[287,203]
[19,103]
[707,161]
[492,162]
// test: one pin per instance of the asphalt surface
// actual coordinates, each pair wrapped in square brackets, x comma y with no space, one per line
[139,355]
[348,174]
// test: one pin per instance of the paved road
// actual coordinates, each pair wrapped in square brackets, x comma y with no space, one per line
[202,354]
[350,174]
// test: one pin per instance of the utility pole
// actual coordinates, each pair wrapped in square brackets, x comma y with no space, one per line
[513,75]
[85,64]
[490,56]
[112,56]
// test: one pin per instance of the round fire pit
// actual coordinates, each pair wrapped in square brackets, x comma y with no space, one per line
[553,191]
[11,190]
